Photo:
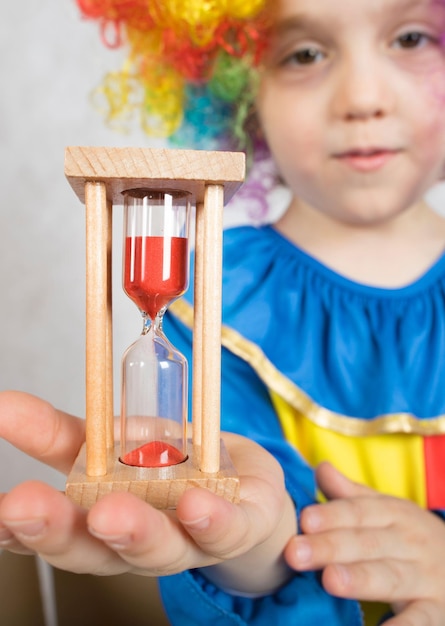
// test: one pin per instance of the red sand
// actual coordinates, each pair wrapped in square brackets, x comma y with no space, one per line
[154,454]
[155,278]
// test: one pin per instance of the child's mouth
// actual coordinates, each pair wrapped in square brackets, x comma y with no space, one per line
[367,159]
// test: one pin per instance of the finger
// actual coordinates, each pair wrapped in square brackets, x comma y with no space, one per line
[262,497]
[231,537]
[418,613]
[156,543]
[334,484]
[43,520]
[262,523]
[358,512]
[7,539]
[313,552]
[151,541]
[388,580]
[38,429]
[206,518]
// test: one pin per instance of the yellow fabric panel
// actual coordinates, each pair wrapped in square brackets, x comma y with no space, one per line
[391,463]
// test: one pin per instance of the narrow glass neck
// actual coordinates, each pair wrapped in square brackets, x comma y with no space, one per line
[153,324]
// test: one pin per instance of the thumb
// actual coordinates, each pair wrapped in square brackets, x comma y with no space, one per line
[335,485]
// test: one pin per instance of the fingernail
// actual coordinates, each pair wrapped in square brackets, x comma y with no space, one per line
[343,574]
[26,529]
[202,523]
[312,520]
[303,551]
[116,542]
[5,537]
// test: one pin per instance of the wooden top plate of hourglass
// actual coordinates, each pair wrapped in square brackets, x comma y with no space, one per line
[99,176]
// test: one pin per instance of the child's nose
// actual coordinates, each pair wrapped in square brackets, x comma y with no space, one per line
[361,90]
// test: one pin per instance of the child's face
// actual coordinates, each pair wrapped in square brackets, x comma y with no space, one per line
[352,103]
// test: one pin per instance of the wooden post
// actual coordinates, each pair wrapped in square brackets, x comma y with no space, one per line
[211,339]
[96,328]
[198,326]
[109,349]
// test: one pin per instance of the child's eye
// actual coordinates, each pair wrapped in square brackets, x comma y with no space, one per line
[412,39]
[304,56]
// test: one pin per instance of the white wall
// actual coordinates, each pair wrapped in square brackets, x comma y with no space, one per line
[49,62]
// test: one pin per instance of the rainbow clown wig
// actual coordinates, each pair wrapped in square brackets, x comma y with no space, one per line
[190,71]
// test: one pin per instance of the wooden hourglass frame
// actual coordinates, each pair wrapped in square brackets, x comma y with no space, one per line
[99,176]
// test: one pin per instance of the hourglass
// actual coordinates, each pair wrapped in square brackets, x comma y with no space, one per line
[154,373]
[153,456]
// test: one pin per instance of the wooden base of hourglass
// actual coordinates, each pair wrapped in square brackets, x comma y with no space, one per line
[161,487]
[99,176]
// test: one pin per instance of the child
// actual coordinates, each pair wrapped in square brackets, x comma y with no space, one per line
[334,330]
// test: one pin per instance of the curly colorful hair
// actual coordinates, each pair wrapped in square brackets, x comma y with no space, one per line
[190,72]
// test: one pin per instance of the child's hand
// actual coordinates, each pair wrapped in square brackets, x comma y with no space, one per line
[123,534]
[374,547]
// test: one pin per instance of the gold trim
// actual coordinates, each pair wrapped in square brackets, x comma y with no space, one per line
[280,384]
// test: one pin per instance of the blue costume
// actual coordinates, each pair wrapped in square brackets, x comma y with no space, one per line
[314,367]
